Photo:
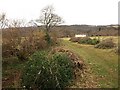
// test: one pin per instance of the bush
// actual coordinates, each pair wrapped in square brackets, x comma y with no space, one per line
[86,40]
[48,38]
[44,72]
[22,47]
[63,67]
[74,39]
[9,47]
[106,44]
[95,41]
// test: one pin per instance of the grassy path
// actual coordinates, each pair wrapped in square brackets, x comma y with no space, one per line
[103,63]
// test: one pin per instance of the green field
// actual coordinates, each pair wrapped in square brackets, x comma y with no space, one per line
[102,62]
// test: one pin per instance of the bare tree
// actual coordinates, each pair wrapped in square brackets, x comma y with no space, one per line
[17,23]
[49,18]
[32,23]
[3,21]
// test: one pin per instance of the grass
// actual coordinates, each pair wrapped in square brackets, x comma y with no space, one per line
[103,63]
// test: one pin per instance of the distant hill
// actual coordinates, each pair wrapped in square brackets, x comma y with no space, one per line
[109,30]
[71,30]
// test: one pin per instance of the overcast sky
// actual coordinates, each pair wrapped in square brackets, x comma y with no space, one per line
[91,12]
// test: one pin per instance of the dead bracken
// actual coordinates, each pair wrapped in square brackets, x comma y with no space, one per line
[78,62]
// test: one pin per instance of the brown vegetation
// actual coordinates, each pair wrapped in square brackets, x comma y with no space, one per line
[15,45]
[78,61]
[75,39]
[106,44]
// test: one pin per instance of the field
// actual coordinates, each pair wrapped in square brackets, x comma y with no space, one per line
[46,52]
[103,62]
[102,65]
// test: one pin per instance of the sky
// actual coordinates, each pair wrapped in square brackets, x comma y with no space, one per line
[90,12]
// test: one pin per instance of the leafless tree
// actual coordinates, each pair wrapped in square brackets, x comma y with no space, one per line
[17,23]
[49,18]
[32,23]
[3,21]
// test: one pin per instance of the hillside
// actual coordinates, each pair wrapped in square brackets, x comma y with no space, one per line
[71,30]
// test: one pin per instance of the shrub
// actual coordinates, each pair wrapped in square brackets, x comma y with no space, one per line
[9,47]
[48,38]
[74,39]
[86,40]
[15,45]
[44,72]
[95,41]
[106,44]
[63,68]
